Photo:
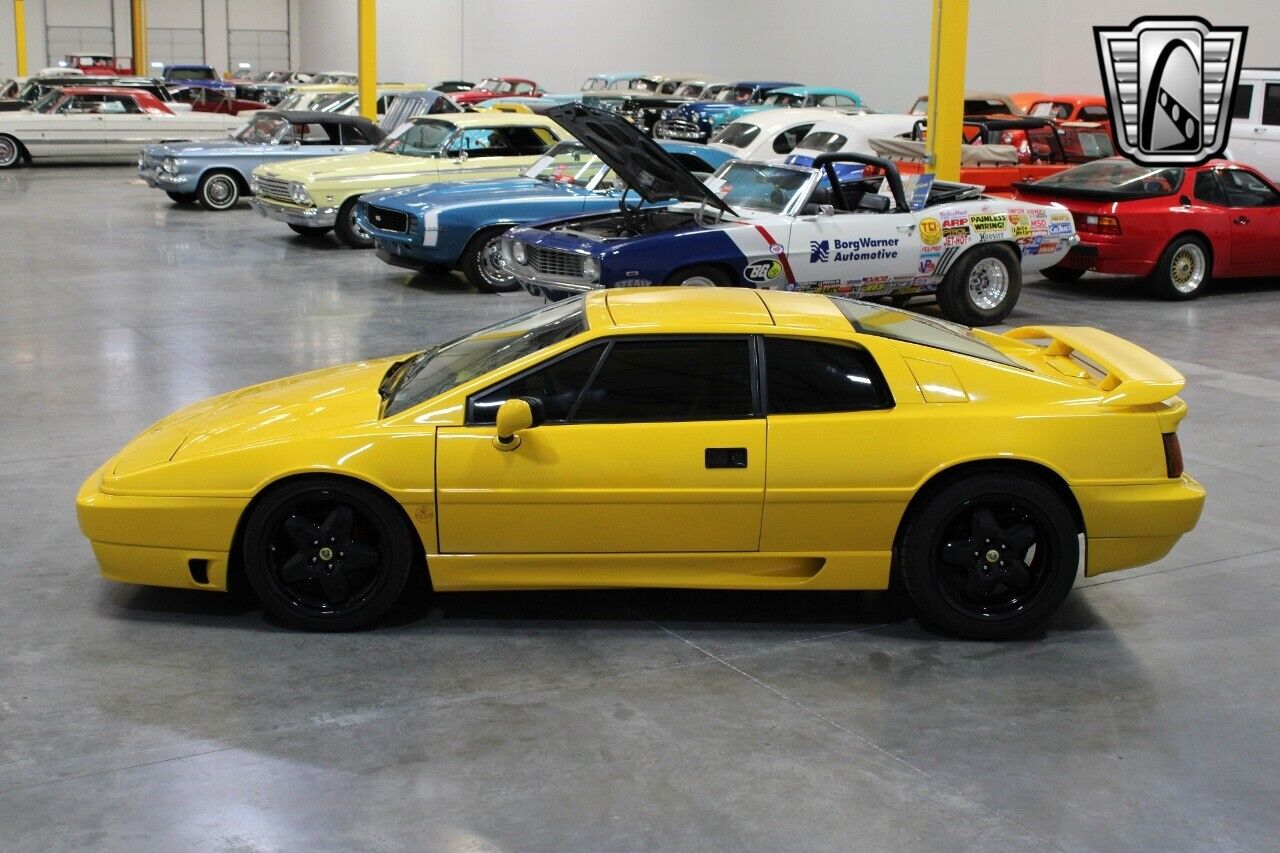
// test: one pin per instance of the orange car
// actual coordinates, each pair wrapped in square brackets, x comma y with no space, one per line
[1071,108]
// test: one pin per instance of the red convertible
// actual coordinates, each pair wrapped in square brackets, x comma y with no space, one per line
[497,87]
[1177,227]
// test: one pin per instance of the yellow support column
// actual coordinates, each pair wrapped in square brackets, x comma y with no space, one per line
[946,87]
[20,34]
[138,26]
[367,26]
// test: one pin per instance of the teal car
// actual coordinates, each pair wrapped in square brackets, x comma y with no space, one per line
[795,96]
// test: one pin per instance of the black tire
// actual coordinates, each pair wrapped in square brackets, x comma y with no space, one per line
[218,190]
[181,198]
[477,265]
[1183,269]
[309,231]
[348,232]
[701,275]
[982,287]
[11,152]
[327,554]
[990,556]
[1062,275]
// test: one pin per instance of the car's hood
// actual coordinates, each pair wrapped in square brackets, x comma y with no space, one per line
[648,170]
[347,167]
[706,108]
[198,148]
[471,192]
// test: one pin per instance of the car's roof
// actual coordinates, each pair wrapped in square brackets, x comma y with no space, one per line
[313,117]
[766,119]
[766,84]
[812,90]
[490,117]
[1073,96]
[100,90]
[658,308]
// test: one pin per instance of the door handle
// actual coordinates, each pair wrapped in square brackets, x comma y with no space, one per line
[726,457]
[907,229]
[1241,220]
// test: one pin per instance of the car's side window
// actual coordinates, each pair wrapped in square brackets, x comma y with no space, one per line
[1245,189]
[353,135]
[1209,189]
[671,379]
[557,384]
[784,142]
[807,377]
[1099,113]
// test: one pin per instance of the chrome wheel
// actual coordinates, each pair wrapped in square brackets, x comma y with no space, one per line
[354,226]
[220,192]
[8,152]
[697,281]
[1188,267]
[988,283]
[487,265]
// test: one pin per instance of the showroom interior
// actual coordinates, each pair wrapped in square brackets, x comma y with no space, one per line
[362,489]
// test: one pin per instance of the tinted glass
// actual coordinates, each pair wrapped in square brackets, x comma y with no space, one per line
[825,141]
[784,142]
[671,380]
[1245,189]
[1093,114]
[1242,101]
[418,139]
[557,385]
[1117,177]
[809,376]
[870,319]
[1271,105]
[737,134]
[1208,189]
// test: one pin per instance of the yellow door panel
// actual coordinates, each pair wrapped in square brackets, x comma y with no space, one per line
[600,488]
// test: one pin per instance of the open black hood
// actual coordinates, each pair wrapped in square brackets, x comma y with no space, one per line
[648,170]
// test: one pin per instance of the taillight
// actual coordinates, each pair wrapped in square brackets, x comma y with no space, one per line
[1097,224]
[1172,455]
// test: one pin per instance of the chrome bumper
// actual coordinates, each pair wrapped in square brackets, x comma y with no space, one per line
[309,217]
[158,178]
[535,283]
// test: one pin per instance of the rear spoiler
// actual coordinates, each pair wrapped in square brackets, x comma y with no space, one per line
[1132,376]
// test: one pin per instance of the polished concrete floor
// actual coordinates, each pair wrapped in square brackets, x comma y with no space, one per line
[1148,717]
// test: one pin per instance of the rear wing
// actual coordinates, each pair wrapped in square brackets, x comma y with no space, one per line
[1131,375]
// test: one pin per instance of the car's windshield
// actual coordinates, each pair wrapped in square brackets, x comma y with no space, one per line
[291,102]
[493,84]
[1117,176]
[869,318]
[737,134]
[1050,109]
[757,186]
[783,99]
[264,130]
[825,141]
[569,163]
[189,74]
[46,102]
[439,369]
[742,94]
[689,90]
[418,139]
[593,83]
[331,102]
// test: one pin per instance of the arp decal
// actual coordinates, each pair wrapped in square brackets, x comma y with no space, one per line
[930,231]
[762,271]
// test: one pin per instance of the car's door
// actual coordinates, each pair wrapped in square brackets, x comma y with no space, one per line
[858,247]
[650,445]
[125,126]
[1254,208]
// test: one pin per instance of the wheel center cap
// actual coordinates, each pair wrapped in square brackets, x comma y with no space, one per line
[993,556]
[326,553]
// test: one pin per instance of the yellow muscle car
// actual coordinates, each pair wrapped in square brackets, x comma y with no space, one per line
[320,193]
[670,437]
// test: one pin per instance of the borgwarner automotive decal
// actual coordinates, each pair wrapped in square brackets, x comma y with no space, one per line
[857,249]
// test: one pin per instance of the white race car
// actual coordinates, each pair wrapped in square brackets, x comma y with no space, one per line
[824,227]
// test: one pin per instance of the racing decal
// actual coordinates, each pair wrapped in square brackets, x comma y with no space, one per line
[780,252]
[930,231]
[955,231]
[819,251]
[762,272]
[1020,224]
[1039,222]
[858,249]
[988,223]
[944,262]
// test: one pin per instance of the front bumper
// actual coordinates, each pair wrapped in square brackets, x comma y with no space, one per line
[536,283]
[309,217]
[1132,525]
[181,542]
[681,131]
[157,178]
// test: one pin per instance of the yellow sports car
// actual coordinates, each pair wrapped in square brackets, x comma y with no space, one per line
[670,437]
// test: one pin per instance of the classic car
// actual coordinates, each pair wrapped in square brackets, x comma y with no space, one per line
[644,109]
[618,80]
[1177,227]
[982,104]
[1071,108]
[195,75]
[346,99]
[773,225]
[218,174]
[10,86]
[774,134]
[839,134]
[794,97]
[36,89]
[274,87]
[450,87]
[204,99]
[696,122]
[448,226]
[312,196]
[622,439]
[100,64]
[100,124]
[491,87]
[334,78]
[999,152]
[419,102]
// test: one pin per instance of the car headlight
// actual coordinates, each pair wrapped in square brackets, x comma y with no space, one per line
[518,254]
[299,193]
[170,165]
[591,269]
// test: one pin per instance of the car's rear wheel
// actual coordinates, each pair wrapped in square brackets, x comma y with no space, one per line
[982,287]
[1061,274]
[990,556]
[327,554]
[1183,269]
[10,151]
[219,191]
[308,230]
[702,275]
[480,262]
[348,230]
[181,198]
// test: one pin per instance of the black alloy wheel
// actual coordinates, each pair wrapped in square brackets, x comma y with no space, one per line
[326,554]
[990,557]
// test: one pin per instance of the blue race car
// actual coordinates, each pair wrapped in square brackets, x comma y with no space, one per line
[696,122]
[460,225]
[195,75]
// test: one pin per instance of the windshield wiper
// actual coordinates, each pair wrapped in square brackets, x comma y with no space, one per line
[389,379]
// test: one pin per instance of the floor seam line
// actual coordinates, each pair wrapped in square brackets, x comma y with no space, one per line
[1106,581]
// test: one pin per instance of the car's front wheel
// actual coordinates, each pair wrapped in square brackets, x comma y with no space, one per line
[181,198]
[327,554]
[218,191]
[1183,269]
[10,151]
[479,262]
[703,275]
[990,556]
[348,230]
[982,287]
